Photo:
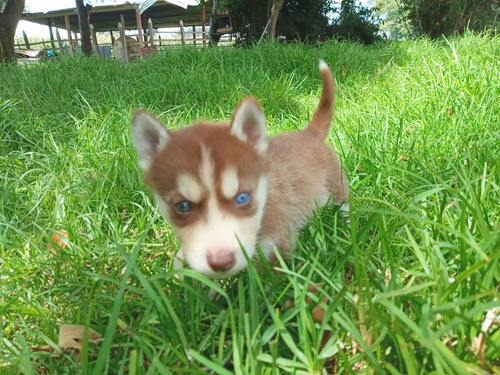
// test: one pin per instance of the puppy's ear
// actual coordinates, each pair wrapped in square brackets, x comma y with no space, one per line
[149,136]
[249,124]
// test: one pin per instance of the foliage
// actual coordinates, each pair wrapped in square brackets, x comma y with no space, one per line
[305,20]
[435,18]
[356,23]
[395,23]
[408,282]
[250,17]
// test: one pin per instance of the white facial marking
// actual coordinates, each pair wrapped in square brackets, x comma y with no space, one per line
[189,188]
[261,196]
[230,182]
[162,206]
[206,170]
[220,230]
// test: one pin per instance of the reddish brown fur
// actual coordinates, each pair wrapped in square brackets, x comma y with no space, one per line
[295,178]
[300,171]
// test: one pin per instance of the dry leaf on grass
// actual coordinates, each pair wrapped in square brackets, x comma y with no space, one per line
[318,313]
[60,239]
[492,318]
[387,274]
[43,348]
[71,337]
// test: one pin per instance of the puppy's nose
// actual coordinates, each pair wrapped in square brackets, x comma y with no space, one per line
[221,260]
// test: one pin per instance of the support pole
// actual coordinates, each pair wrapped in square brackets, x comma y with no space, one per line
[124,41]
[52,42]
[139,29]
[183,37]
[203,20]
[151,33]
[26,41]
[59,41]
[70,39]
[95,46]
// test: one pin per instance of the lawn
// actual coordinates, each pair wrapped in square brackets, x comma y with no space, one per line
[409,284]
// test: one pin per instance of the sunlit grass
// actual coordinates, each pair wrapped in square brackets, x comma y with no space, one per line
[405,285]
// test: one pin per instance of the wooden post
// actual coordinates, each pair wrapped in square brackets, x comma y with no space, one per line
[124,41]
[112,37]
[183,38]
[70,39]
[203,20]
[52,43]
[139,29]
[95,46]
[145,32]
[194,35]
[151,33]
[59,41]
[26,41]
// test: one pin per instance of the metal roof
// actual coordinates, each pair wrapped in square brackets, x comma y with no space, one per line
[105,14]
[141,5]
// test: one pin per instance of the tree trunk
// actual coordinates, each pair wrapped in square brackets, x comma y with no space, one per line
[84,23]
[277,5]
[9,18]
[212,22]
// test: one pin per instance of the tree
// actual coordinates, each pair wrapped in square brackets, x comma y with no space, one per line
[306,20]
[273,18]
[84,23]
[298,19]
[356,22]
[10,14]
[250,17]
[396,23]
[436,18]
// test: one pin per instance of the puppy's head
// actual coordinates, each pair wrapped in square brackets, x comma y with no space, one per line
[210,183]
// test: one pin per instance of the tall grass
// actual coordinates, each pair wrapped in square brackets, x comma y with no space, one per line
[406,285]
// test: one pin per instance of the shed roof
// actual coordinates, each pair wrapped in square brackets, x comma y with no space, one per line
[105,15]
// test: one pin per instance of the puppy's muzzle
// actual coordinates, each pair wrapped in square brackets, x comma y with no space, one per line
[221,260]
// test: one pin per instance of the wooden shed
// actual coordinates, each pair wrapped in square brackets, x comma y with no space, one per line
[106,14]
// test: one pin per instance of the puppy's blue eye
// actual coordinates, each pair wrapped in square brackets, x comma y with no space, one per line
[242,198]
[183,207]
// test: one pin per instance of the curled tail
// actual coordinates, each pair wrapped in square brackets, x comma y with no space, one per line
[322,117]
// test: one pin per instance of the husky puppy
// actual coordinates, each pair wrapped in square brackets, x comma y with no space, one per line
[227,187]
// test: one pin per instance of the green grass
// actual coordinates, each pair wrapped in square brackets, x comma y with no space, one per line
[417,127]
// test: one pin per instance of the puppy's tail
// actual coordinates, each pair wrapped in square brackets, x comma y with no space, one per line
[322,117]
